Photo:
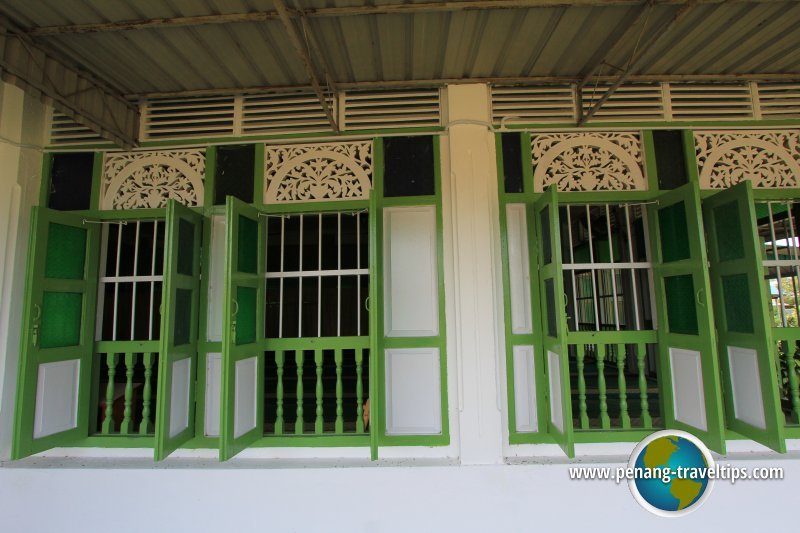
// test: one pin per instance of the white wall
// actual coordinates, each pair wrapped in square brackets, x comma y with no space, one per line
[22,120]
[255,496]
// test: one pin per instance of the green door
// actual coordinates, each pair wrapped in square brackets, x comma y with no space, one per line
[752,404]
[58,333]
[177,364]
[554,321]
[688,367]
[242,419]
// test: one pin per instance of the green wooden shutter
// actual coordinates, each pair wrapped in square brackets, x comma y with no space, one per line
[242,418]
[58,333]
[747,353]
[374,327]
[177,365]
[688,367]
[554,320]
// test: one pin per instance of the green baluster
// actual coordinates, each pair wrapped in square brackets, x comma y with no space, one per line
[794,381]
[130,363]
[625,418]
[299,358]
[605,421]
[279,358]
[581,355]
[339,410]
[108,421]
[359,392]
[318,422]
[641,352]
[147,391]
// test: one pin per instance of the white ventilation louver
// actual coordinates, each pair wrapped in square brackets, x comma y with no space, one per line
[541,104]
[629,103]
[691,101]
[779,100]
[387,109]
[65,132]
[283,113]
[176,118]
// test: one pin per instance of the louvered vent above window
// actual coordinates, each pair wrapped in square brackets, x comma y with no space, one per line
[387,109]
[175,118]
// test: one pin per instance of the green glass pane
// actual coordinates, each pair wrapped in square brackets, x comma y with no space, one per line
[61,319]
[728,231]
[246,315]
[544,223]
[185,247]
[247,254]
[550,297]
[66,252]
[681,310]
[738,311]
[674,232]
[182,322]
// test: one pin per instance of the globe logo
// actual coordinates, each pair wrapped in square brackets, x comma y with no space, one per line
[671,473]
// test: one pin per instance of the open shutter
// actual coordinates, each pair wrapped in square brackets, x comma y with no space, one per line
[375,329]
[177,365]
[554,320]
[58,333]
[242,418]
[688,367]
[747,354]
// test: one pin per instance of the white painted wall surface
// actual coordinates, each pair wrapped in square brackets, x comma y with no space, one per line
[262,497]
[21,135]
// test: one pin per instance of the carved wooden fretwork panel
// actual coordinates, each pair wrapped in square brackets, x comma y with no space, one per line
[315,172]
[134,180]
[768,158]
[588,161]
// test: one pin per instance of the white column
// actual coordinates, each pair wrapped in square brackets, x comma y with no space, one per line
[21,136]
[475,329]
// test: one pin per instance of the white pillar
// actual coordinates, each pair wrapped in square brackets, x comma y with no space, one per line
[476,327]
[21,138]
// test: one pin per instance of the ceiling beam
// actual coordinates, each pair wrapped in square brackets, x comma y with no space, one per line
[439,82]
[384,9]
[77,94]
[635,58]
[305,58]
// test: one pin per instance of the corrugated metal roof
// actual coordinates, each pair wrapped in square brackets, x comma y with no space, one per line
[722,38]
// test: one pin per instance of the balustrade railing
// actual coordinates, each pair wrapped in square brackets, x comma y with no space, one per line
[787,341]
[317,386]
[614,380]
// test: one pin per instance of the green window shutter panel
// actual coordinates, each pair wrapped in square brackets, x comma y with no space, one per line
[66,252]
[544,224]
[681,311]
[185,247]
[552,319]
[246,317]
[736,295]
[61,319]
[183,317]
[729,234]
[674,233]
[247,255]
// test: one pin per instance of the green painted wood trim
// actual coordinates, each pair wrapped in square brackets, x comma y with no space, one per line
[210,181]
[258,173]
[656,124]
[314,207]
[44,187]
[649,161]
[612,337]
[126,346]
[317,343]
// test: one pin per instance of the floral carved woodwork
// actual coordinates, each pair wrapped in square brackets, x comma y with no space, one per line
[316,172]
[590,161]
[135,180]
[768,158]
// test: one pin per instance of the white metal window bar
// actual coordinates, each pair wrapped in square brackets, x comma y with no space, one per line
[781,260]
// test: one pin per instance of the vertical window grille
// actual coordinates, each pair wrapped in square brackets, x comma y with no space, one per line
[317,279]
[607,268]
[132,273]
[777,230]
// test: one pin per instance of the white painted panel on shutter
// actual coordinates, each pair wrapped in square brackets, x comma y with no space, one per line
[525,390]
[554,377]
[213,393]
[410,272]
[216,271]
[687,388]
[748,404]
[519,269]
[246,401]
[179,408]
[413,392]
[56,398]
